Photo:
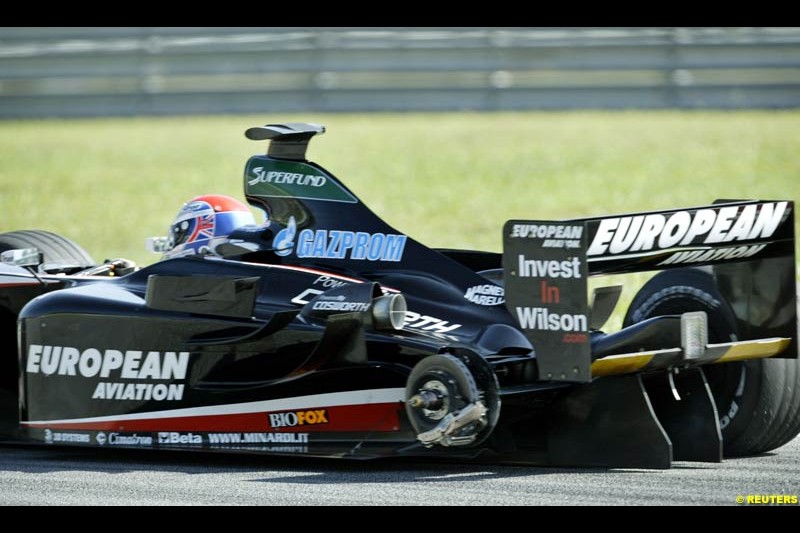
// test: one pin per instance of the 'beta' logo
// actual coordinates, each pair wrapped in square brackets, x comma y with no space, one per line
[173,437]
[298,418]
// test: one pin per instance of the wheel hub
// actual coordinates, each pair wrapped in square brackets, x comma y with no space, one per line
[433,399]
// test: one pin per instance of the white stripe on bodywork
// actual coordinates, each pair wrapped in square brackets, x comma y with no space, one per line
[332,399]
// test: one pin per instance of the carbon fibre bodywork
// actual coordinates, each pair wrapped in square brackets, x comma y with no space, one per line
[286,340]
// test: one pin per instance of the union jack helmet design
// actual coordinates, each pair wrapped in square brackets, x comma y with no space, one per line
[203,219]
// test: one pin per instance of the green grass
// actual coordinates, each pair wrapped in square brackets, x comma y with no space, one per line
[448,180]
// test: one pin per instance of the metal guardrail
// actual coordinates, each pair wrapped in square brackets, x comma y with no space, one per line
[131,71]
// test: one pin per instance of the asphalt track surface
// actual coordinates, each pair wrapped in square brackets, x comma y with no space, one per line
[73,476]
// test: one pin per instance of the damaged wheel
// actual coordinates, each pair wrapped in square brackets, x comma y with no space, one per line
[445,404]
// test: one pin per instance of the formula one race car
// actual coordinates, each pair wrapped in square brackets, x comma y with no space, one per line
[326,332]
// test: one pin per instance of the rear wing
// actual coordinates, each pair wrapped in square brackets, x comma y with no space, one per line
[747,245]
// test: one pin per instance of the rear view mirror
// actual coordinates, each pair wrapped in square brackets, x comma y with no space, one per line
[22,257]
[157,245]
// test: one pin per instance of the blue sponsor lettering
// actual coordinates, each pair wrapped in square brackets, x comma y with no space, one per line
[347,243]
[333,245]
[318,248]
[304,242]
[376,247]
[340,244]
[360,246]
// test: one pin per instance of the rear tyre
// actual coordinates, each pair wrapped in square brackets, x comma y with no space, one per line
[758,401]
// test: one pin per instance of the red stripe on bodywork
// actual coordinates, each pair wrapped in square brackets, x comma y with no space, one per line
[367,417]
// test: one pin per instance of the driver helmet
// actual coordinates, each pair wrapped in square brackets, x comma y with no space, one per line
[204,222]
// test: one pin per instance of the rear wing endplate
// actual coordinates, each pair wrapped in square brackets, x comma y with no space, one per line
[748,245]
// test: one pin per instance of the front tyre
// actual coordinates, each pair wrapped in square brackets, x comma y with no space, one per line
[55,248]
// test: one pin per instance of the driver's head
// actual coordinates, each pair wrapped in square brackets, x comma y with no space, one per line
[204,222]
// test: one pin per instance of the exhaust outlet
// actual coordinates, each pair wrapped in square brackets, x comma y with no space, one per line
[389,312]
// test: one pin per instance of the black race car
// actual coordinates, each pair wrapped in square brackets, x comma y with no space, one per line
[326,332]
